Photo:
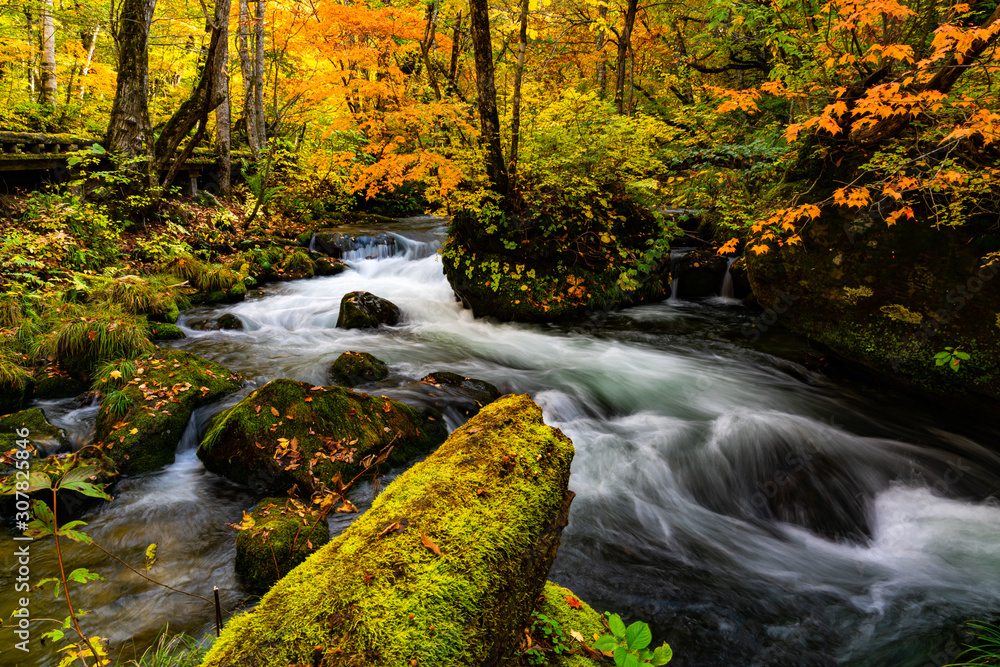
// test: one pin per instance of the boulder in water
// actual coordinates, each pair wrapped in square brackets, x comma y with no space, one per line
[471,394]
[328,266]
[364,310]
[444,569]
[46,438]
[140,426]
[340,245]
[229,322]
[355,368]
[284,533]
[290,432]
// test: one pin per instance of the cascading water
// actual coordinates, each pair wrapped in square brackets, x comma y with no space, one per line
[751,510]
[726,291]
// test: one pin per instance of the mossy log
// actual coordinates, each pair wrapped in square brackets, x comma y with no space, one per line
[444,570]
[161,399]
[289,432]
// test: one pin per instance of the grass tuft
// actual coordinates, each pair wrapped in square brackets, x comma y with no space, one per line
[180,650]
[83,342]
[154,296]
[184,267]
[113,375]
[217,278]
[986,647]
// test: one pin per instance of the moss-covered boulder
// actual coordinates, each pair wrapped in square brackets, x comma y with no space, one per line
[328,266]
[54,382]
[290,432]
[283,534]
[890,298]
[364,310]
[165,331]
[443,570]
[140,425]
[355,368]
[43,435]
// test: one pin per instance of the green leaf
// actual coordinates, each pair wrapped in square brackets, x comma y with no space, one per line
[617,627]
[662,655]
[82,473]
[76,536]
[942,362]
[82,575]
[54,635]
[605,643]
[943,355]
[86,488]
[620,654]
[42,514]
[38,480]
[638,636]
[964,356]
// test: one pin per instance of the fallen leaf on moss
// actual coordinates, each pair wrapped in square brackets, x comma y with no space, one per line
[426,541]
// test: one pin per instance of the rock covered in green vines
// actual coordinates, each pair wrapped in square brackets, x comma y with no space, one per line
[290,432]
[355,368]
[284,532]
[140,425]
[443,570]
[364,310]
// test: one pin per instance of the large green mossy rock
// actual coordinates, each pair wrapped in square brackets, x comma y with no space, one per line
[364,310]
[290,432]
[355,368]
[284,533]
[889,298]
[492,500]
[54,382]
[43,435]
[171,384]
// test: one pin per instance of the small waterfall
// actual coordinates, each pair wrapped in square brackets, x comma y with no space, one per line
[312,243]
[676,255]
[727,281]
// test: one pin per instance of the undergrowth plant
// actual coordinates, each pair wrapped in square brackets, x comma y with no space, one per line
[985,649]
[629,645]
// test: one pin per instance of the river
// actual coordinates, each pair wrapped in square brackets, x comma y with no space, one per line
[752,509]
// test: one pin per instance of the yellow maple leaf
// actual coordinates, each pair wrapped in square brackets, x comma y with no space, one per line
[760,248]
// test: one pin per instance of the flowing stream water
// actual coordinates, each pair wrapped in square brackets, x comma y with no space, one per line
[752,510]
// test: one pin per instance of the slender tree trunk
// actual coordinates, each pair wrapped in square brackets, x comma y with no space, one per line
[624,42]
[193,112]
[489,119]
[129,131]
[48,95]
[246,69]
[515,119]
[258,99]
[425,48]
[602,63]
[223,120]
[90,43]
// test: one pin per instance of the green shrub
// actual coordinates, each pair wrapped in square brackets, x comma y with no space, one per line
[184,267]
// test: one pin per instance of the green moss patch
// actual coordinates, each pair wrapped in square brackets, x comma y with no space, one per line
[162,331]
[444,570]
[364,310]
[140,425]
[284,533]
[290,432]
[571,615]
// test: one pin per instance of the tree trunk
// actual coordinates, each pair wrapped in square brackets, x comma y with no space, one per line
[624,42]
[489,119]
[129,129]
[258,94]
[47,96]
[90,43]
[220,86]
[246,68]
[602,63]
[193,112]
[425,48]
[515,119]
